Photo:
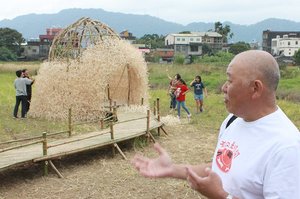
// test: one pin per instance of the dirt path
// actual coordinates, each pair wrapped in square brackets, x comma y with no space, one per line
[97,175]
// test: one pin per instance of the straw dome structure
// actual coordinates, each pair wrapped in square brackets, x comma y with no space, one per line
[85,32]
[88,65]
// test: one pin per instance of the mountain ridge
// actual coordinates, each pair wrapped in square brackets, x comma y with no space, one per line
[32,25]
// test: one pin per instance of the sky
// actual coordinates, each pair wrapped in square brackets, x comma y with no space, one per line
[244,12]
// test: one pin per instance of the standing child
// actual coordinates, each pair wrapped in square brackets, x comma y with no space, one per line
[180,93]
[198,92]
[171,90]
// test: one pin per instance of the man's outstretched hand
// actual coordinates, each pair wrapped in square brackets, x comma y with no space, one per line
[154,168]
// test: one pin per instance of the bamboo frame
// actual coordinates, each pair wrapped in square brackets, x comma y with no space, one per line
[74,39]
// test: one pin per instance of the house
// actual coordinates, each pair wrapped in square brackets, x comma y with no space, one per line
[128,36]
[31,49]
[268,35]
[191,43]
[285,45]
[166,54]
[39,48]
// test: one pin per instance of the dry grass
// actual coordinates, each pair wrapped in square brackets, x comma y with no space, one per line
[32,67]
[97,175]
[82,85]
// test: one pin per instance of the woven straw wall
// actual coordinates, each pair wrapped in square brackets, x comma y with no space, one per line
[81,84]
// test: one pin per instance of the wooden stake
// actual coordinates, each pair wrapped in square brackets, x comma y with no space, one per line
[111,130]
[129,85]
[45,153]
[142,101]
[102,123]
[164,130]
[121,152]
[158,115]
[154,108]
[108,92]
[70,122]
[148,124]
[55,169]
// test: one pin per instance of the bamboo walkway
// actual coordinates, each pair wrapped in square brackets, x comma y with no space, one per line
[130,125]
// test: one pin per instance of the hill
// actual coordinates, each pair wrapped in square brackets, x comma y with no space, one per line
[32,25]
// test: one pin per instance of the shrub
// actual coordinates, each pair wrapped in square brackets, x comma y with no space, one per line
[179,59]
[7,55]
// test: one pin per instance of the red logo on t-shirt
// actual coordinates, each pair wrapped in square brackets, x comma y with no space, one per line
[226,153]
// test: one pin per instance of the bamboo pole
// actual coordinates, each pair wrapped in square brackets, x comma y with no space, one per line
[55,169]
[67,142]
[148,125]
[131,120]
[19,146]
[20,140]
[70,122]
[115,111]
[158,115]
[154,108]
[102,123]
[129,85]
[121,152]
[45,153]
[111,130]
[112,137]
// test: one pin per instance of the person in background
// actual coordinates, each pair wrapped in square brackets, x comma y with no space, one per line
[28,89]
[258,150]
[172,87]
[21,93]
[180,92]
[198,92]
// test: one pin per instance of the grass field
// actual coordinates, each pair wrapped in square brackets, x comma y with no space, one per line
[212,76]
[95,174]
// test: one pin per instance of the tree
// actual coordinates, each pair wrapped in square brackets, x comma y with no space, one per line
[224,31]
[206,49]
[152,40]
[11,39]
[7,55]
[239,47]
[297,57]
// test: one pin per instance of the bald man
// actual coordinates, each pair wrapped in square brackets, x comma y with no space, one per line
[258,151]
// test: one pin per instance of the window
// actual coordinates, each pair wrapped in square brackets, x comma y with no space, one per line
[34,50]
[198,39]
[289,43]
[183,39]
[194,48]
[191,39]
[296,42]
[178,39]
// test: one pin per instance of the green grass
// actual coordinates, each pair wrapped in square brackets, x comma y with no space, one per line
[214,113]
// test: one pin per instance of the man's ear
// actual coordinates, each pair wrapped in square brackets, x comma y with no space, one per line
[258,88]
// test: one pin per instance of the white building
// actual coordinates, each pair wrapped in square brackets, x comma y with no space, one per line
[285,46]
[191,43]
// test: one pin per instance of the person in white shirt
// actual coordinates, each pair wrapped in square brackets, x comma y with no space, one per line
[258,151]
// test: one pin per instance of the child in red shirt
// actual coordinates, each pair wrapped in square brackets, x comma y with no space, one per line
[180,92]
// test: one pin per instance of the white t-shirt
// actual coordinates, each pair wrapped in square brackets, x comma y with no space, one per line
[259,159]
